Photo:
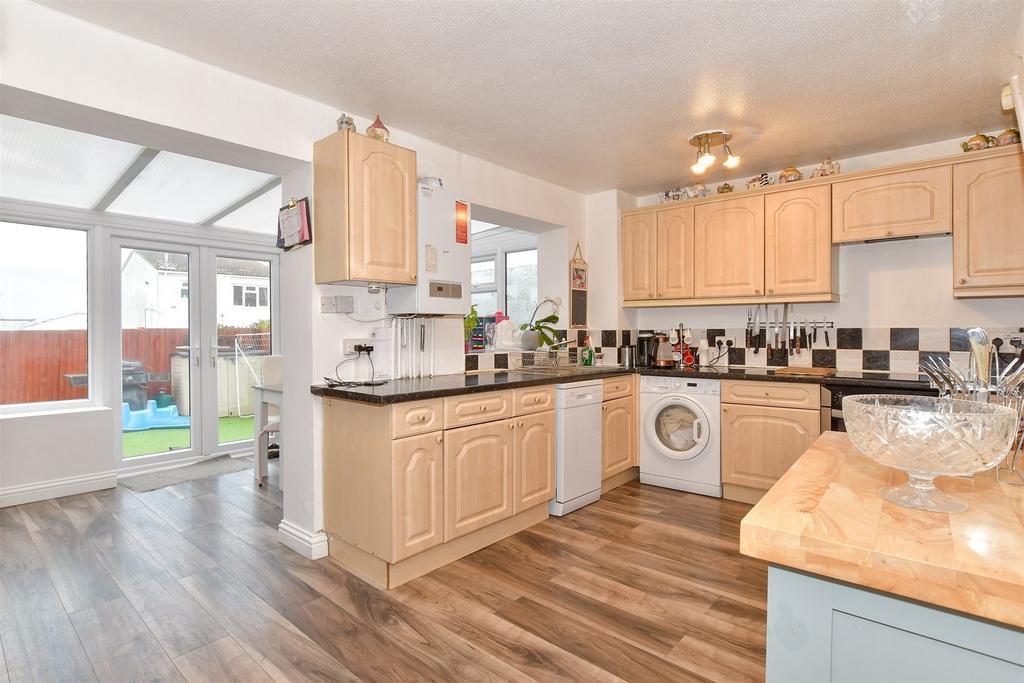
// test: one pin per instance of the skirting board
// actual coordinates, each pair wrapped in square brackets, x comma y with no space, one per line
[56,488]
[381,574]
[310,544]
[743,494]
[617,480]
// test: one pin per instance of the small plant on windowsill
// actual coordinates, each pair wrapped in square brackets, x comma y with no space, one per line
[537,333]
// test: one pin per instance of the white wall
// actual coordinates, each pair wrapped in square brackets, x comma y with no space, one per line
[602,255]
[45,455]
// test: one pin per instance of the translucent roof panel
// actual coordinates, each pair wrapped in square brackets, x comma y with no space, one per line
[187,189]
[54,165]
[259,215]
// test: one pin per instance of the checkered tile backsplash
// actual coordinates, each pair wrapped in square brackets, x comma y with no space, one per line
[893,349]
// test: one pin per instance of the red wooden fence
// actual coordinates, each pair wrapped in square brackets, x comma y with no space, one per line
[33,363]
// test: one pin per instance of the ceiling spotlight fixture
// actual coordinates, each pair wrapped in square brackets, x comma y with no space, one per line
[703,141]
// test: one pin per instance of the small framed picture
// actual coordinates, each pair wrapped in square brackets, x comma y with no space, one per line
[294,226]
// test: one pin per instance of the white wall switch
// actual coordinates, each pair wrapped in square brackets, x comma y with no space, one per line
[337,304]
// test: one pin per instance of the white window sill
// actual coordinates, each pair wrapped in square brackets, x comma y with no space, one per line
[43,411]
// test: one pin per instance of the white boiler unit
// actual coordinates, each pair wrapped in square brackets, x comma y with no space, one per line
[442,236]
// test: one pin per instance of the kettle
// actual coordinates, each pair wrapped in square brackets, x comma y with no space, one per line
[661,353]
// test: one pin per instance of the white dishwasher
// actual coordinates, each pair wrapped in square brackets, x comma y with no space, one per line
[578,445]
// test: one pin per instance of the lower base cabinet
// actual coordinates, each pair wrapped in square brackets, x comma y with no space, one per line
[477,477]
[759,443]
[618,436]
[534,461]
[417,494]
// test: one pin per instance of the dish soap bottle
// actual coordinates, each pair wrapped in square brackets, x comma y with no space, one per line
[588,352]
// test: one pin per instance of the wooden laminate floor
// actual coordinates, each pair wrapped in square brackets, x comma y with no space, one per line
[189,583]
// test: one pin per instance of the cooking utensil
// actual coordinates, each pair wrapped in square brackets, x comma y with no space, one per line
[750,327]
[981,352]
[785,325]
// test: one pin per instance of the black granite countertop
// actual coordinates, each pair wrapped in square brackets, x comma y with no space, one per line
[402,390]
[883,380]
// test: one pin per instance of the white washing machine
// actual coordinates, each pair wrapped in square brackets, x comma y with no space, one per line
[680,436]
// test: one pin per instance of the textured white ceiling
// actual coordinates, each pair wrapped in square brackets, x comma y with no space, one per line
[595,95]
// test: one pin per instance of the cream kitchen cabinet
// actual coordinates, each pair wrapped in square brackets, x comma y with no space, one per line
[988,227]
[675,257]
[729,248]
[639,256]
[618,436]
[364,210]
[417,494]
[907,204]
[478,481]
[534,460]
[798,249]
[759,443]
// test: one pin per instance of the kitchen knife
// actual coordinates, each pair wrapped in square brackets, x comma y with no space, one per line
[750,326]
[792,336]
[756,339]
[803,334]
[785,326]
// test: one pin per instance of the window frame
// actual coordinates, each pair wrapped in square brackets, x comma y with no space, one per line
[102,307]
[93,333]
[497,286]
[504,276]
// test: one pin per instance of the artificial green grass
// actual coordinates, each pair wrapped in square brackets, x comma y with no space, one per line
[232,428]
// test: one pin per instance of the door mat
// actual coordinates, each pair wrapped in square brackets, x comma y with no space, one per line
[200,470]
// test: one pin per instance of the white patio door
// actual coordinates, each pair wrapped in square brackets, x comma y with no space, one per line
[195,329]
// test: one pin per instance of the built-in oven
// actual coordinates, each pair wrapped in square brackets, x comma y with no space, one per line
[832,400]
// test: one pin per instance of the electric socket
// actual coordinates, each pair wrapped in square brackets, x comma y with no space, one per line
[337,304]
[348,346]
[726,340]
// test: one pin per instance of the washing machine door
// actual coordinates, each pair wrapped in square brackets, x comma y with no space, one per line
[677,427]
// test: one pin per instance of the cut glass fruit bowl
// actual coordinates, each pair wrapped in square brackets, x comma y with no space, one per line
[927,438]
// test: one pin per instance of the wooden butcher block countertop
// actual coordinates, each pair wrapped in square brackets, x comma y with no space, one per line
[824,516]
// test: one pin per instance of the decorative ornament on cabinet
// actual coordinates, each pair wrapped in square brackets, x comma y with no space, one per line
[378,130]
[978,142]
[345,122]
[762,180]
[827,168]
[1010,136]
[673,195]
[724,188]
[790,174]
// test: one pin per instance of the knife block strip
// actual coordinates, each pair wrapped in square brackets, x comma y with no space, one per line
[812,372]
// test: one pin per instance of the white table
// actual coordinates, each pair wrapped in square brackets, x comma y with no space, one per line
[266,395]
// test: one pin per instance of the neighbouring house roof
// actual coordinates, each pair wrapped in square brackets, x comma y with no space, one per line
[178,263]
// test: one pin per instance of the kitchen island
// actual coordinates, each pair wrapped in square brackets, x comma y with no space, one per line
[420,472]
[862,589]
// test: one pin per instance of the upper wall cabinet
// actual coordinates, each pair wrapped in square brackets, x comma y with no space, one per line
[905,204]
[798,248]
[729,237]
[675,253]
[988,227]
[639,251]
[364,204]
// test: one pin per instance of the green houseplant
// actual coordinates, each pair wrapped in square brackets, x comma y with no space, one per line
[469,322]
[539,332]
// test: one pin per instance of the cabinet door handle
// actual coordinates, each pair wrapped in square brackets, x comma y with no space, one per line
[963,281]
[520,424]
[771,290]
[440,439]
[423,418]
[483,409]
[511,425]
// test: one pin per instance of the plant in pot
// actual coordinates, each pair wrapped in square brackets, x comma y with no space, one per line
[469,323]
[539,332]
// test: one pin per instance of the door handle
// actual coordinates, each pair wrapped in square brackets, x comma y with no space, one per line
[697,429]
[194,351]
